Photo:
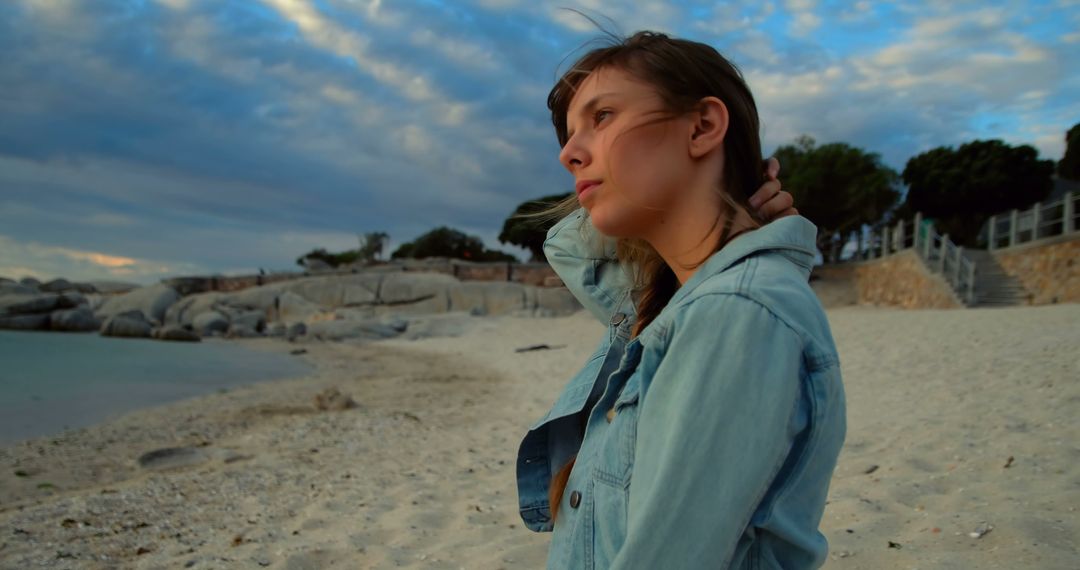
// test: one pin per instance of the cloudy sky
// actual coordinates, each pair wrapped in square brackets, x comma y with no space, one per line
[142,138]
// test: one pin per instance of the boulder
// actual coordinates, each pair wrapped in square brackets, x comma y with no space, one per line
[372,329]
[558,301]
[241,331]
[175,333]
[70,300]
[153,301]
[332,399]
[29,304]
[209,323]
[490,297]
[79,319]
[25,322]
[183,312]
[127,324]
[338,290]
[430,326]
[417,293]
[13,288]
[112,287]
[295,331]
[293,308]
[277,330]
[57,286]
[31,282]
[254,320]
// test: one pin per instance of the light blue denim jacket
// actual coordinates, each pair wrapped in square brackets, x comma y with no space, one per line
[708,441]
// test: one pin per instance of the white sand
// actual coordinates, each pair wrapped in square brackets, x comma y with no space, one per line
[421,475]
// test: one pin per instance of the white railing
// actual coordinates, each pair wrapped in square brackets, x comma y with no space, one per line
[937,250]
[1040,221]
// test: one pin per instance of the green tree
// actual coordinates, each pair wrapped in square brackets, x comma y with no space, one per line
[529,232]
[1069,166]
[960,188]
[372,245]
[837,186]
[448,242]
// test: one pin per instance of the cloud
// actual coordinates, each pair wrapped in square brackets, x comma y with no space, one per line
[228,135]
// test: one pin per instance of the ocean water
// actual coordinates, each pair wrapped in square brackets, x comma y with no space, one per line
[53,381]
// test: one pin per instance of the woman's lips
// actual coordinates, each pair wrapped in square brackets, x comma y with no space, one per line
[585,186]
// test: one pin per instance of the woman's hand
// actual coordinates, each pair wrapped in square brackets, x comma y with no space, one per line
[770,202]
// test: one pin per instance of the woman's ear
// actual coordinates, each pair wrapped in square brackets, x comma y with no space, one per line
[710,123]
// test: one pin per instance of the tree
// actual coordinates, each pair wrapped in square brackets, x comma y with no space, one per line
[372,245]
[529,232]
[448,242]
[1069,166]
[960,188]
[837,186]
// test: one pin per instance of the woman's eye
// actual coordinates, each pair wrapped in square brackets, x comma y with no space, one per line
[600,116]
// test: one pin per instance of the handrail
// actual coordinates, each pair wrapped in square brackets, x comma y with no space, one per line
[937,250]
[1015,227]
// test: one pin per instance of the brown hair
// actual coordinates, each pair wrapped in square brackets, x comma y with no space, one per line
[683,73]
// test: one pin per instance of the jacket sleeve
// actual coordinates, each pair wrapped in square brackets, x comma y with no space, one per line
[714,428]
[585,260]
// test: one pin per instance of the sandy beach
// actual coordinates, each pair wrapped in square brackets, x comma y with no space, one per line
[963,451]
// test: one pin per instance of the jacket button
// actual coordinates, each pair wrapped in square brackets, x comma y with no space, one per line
[575,499]
[618,318]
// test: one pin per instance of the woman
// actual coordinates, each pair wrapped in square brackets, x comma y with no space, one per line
[704,430]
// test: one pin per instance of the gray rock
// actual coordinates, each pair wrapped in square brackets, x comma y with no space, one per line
[13,288]
[558,301]
[31,282]
[209,323]
[372,329]
[70,300]
[57,286]
[241,331]
[331,399]
[293,308]
[29,304]
[277,330]
[295,331]
[25,322]
[79,319]
[184,311]
[112,287]
[130,324]
[175,333]
[254,320]
[487,297]
[446,325]
[153,301]
[417,293]
[338,290]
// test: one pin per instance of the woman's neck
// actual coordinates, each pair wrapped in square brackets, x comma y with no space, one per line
[685,239]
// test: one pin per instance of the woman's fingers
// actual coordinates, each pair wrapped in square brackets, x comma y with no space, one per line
[772,168]
[779,205]
[770,201]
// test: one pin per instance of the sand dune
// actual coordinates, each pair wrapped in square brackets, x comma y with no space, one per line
[421,473]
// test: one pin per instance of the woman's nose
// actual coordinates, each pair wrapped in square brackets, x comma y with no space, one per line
[573,155]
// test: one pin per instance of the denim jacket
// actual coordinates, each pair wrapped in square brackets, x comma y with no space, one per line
[707,441]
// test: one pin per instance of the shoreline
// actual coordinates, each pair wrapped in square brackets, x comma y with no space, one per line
[97,378]
[958,422]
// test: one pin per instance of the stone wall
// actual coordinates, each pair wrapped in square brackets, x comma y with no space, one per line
[903,280]
[1049,269]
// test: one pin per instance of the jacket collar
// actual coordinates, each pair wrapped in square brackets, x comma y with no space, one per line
[793,236]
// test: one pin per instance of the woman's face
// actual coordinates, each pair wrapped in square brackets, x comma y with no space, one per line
[628,155]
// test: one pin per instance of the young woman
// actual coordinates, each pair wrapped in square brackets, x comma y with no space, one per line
[704,430]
